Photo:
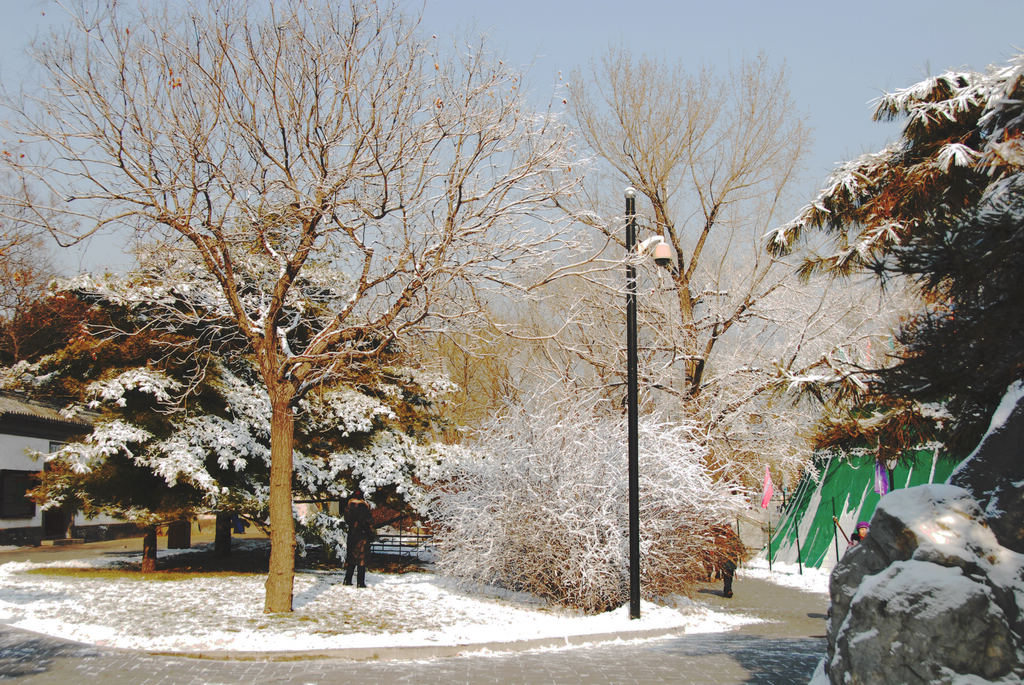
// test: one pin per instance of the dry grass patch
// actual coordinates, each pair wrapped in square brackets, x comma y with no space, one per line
[129,573]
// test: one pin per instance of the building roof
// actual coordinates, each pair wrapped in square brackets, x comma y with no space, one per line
[19,413]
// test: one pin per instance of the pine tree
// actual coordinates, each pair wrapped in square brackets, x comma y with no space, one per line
[964,347]
[962,135]
[943,209]
[181,419]
[150,458]
[39,327]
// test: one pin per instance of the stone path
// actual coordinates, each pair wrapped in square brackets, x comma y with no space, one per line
[698,659]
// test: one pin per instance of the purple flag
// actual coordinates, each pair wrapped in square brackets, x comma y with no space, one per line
[881,478]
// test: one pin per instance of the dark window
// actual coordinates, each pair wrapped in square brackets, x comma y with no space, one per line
[13,486]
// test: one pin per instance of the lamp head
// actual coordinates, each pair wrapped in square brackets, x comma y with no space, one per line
[630,193]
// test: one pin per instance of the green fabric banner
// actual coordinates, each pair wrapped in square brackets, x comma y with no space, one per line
[845,484]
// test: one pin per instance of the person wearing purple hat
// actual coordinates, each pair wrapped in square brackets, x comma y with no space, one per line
[858,533]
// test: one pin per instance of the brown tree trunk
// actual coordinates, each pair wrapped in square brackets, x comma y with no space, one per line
[222,534]
[693,365]
[681,278]
[149,549]
[281,572]
[70,533]
[179,534]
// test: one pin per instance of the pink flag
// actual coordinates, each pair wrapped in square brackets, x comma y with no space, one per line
[769,488]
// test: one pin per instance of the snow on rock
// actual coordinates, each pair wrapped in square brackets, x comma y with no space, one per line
[935,592]
[994,472]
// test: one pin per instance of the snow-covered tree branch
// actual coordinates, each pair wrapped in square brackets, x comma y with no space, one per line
[181,427]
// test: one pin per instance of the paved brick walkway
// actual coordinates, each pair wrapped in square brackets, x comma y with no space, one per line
[709,658]
[784,649]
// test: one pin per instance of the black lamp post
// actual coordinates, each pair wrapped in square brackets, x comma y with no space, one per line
[632,409]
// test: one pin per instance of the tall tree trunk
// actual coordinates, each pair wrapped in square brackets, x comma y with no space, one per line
[222,534]
[281,573]
[681,278]
[149,549]
[693,364]
[179,534]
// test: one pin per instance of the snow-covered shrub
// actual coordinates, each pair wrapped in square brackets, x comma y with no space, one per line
[541,506]
[324,528]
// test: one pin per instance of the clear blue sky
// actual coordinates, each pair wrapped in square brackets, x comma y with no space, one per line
[840,55]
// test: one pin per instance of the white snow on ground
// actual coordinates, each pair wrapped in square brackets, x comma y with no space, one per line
[787,574]
[225,612]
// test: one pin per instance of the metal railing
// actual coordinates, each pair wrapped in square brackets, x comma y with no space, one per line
[407,546]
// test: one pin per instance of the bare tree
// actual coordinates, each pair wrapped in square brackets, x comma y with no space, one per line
[713,158]
[752,406]
[480,362]
[713,155]
[303,136]
[25,270]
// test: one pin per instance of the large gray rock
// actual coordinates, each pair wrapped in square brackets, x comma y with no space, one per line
[935,592]
[929,596]
[918,622]
[903,522]
[994,472]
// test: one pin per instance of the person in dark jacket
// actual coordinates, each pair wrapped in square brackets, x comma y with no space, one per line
[729,546]
[728,571]
[360,535]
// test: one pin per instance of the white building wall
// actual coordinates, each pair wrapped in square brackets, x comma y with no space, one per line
[15,455]
[14,452]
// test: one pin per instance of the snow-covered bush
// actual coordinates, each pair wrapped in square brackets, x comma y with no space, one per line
[541,506]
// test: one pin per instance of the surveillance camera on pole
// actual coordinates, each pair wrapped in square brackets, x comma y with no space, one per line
[663,254]
[662,251]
